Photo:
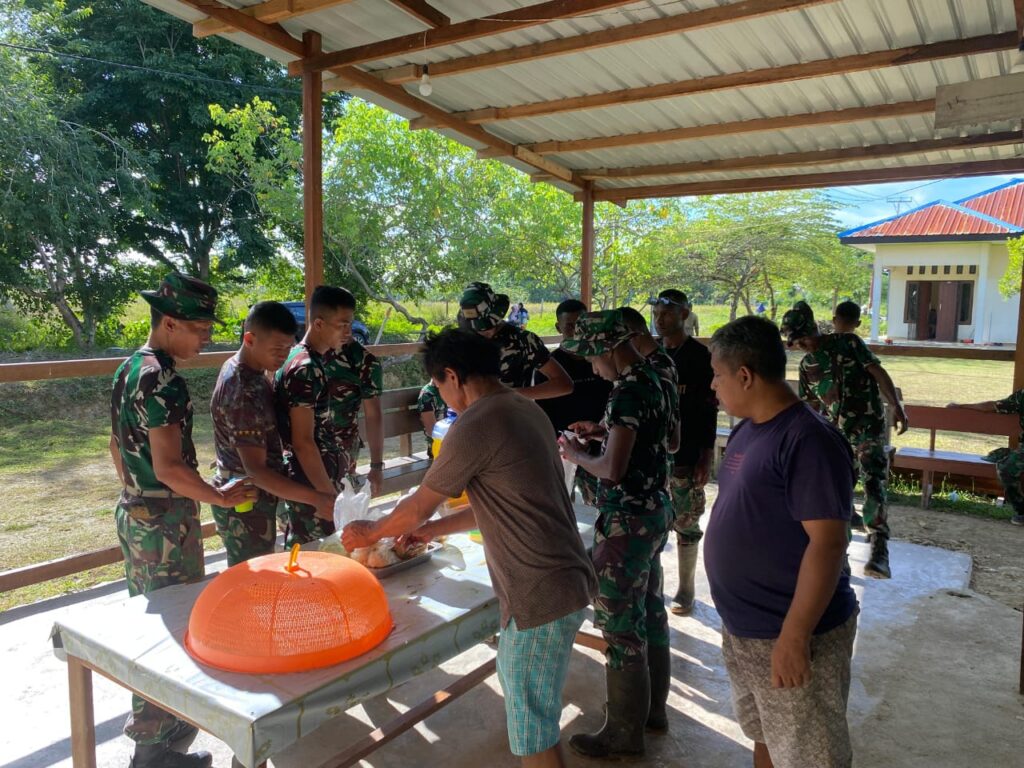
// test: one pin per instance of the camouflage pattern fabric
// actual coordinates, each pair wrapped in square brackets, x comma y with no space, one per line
[244,415]
[873,465]
[430,400]
[248,534]
[688,503]
[1013,404]
[353,375]
[1010,469]
[666,370]
[161,540]
[522,354]
[798,322]
[184,297]
[836,382]
[480,308]
[598,333]
[149,393]
[587,485]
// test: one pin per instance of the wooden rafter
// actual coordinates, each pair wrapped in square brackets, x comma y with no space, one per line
[812,180]
[268,12]
[510,21]
[845,154]
[274,34]
[1018,15]
[628,33]
[424,12]
[788,73]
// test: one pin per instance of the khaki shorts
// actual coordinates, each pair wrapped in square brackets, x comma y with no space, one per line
[802,727]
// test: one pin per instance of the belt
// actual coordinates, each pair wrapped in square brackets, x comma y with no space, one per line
[164,494]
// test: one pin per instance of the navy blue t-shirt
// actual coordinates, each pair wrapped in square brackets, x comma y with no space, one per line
[792,468]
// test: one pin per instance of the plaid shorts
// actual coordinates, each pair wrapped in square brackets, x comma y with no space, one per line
[532,665]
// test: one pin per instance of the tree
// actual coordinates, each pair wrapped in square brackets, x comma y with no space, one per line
[1009,283]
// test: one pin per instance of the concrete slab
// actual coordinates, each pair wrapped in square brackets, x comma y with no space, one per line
[934,684]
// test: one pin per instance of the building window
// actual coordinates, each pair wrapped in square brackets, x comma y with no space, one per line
[920,270]
[910,305]
[973,269]
[910,270]
[935,269]
[965,302]
[946,269]
[959,269]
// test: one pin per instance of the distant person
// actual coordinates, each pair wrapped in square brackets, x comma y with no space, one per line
[933,320]
[774,553]
[691,325]
[519,316]
[1009,461]
[760,308]
[846,318]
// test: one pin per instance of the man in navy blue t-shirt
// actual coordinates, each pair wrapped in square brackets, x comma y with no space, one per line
[774,550]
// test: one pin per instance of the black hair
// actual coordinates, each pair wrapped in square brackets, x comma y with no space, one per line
[754,343]
[634,320]
[467,353]
[568,306]
[675,295]
[271,316]
[848,310]
[330,298]
[155,316]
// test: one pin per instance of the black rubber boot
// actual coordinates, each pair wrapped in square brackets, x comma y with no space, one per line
[622,735]
[161,756]
[857,522]
[659,665]
[682,603]
[877,566]
[181,736]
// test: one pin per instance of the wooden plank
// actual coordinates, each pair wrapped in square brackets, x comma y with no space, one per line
[274,34]
[587,247]
[422,11]
[593,642]
[961,352]
[627,33]
[979,102]
[757,162]
[800,120]
[83,721]
[312,172]
[962,420]
[273,10]
[509,21]
[815,180]
[788,73]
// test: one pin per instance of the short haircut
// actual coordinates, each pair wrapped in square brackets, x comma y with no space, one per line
[848,310]
[330,298]
[467,353]
[568,306]
[752,342]
[675,295]
[155,316]
[634,320]
[271,316]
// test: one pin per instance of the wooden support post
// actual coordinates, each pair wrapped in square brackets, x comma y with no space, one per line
[312,170]
[587,250]
[83,726]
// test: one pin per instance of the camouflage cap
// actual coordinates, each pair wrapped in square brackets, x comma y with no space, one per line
[598,333]
[798,322]
[480,308]
[184,297]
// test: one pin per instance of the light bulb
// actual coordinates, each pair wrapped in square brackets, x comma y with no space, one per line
[425,87]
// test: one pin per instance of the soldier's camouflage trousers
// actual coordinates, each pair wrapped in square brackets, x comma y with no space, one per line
[302,524]
[873,465]
[248,534]
[162,543]
[1010,468]
[629,608]
[688,502]
[586,484]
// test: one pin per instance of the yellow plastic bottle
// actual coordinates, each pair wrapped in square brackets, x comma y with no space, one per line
[437,436]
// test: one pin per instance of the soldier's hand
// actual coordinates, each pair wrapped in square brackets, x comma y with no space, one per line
[588,430]
[900,417]
[324,505]
[376,478]
[358,534]
[238,493]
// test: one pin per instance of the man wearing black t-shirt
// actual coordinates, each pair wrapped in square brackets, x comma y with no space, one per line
[698,414]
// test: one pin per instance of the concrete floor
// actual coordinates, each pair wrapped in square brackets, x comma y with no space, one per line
[934,684]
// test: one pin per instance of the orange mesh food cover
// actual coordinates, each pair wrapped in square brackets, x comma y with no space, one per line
[288,613]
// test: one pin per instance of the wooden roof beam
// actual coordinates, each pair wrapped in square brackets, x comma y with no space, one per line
[820,68]
[422,11]
[268,12]
[812,180]
[274,34]
[509,21]
[628,33]
[845,154]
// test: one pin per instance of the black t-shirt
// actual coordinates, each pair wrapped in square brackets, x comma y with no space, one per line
[588,398]
[698,406]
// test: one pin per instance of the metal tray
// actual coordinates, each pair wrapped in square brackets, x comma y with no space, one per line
[412,562]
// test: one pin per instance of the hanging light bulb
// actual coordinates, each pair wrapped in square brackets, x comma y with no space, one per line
[1017,62]
[425,87]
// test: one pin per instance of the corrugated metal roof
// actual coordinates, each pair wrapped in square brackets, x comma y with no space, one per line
[819,32]
[1005,202]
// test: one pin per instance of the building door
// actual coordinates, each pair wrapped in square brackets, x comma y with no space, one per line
[948,311]
[924,303]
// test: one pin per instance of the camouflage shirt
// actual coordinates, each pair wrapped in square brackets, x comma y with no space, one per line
[430,400]
[1013,404]
[522,353]
[149,393]
[243,415]
[665,367]
[637,403]
[302,383]
[353,375]
[835,381]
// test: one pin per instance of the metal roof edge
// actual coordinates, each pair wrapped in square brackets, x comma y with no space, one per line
[1004,185]
[849,232]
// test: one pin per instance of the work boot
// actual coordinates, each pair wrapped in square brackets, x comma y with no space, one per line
[161,756]
[682,603]
[857,522]
[659,665]
[181,736]
[1017,519]
[877,566]
[622,735]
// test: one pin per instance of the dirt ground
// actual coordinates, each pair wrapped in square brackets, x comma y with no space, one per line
[995,546]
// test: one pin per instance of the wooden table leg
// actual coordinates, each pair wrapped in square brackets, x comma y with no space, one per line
[83,726]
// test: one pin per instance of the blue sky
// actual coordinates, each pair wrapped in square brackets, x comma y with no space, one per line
[868,202]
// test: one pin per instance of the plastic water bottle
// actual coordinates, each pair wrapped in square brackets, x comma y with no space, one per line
[437,435]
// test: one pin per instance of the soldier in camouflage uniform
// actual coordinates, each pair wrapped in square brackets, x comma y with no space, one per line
[246,438]
[356,377]
[431,408]
[302,396]
[157,514]
[522,352]
[631,529]
[843,380]
[1009,461]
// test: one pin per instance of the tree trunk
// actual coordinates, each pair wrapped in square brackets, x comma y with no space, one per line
[735,296]
[835,299]
[70,319]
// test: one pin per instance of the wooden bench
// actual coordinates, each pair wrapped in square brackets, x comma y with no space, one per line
[401,420]
[931,462]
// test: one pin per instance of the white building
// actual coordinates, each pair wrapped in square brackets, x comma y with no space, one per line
[945,261]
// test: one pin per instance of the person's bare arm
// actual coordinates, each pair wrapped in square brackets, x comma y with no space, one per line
[428,420]
[463,520]
[115,455]
[988,406]
[254,462]
[410,514]
[815,585]
[610,465]
[375,438]
[306,450]
[879,374]
[558,383]
[172,470]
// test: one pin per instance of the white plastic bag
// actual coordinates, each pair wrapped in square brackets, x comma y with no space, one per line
[350,506]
